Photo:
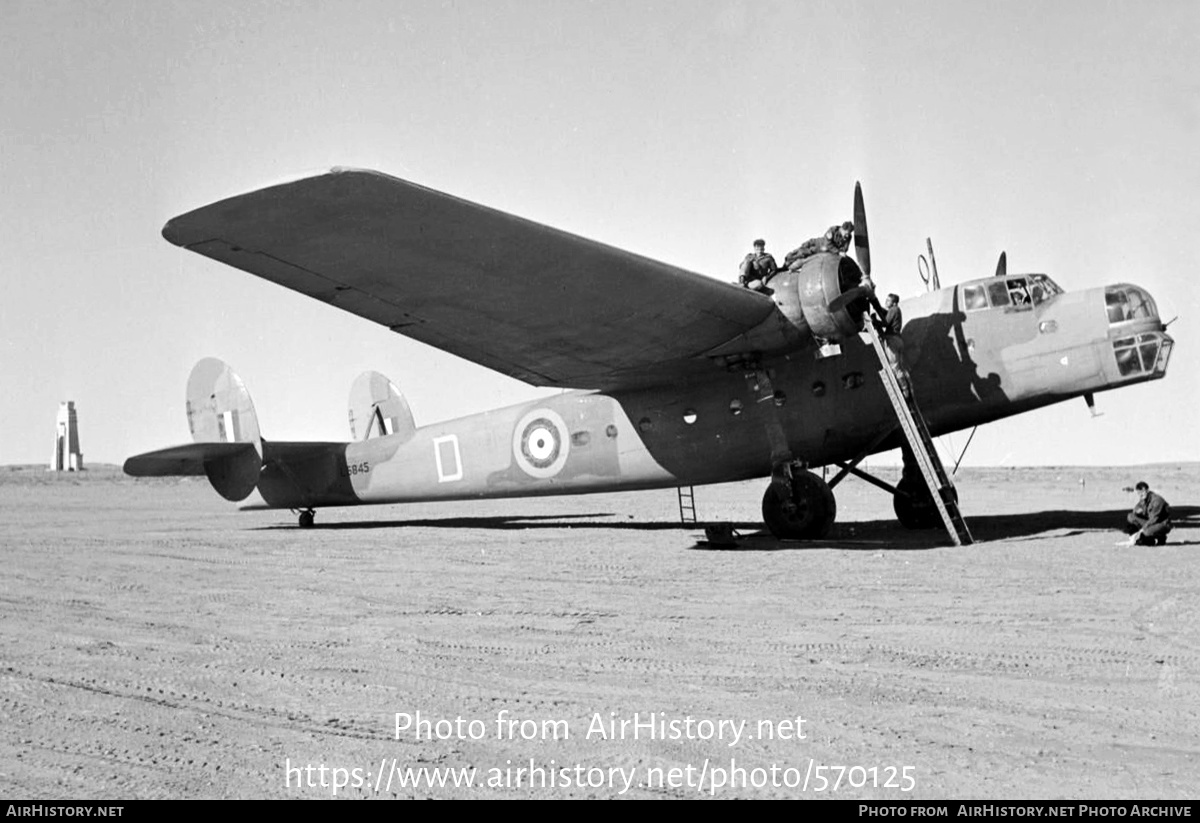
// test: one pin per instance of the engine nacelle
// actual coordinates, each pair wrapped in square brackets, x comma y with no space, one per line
[807,308]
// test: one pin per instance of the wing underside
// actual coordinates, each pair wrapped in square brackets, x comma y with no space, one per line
[527,300]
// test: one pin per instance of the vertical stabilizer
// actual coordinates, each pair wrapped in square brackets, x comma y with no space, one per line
[377,409]
[219,410]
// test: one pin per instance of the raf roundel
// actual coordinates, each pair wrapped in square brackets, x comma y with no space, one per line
[541,443]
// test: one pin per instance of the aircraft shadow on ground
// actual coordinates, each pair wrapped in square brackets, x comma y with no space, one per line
[879,535]
[1035,524]
[868,535]
[499,522]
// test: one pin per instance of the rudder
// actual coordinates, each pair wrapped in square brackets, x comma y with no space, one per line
[377,409]
[219,410]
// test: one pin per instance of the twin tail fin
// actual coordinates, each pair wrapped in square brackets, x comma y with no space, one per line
[227,445]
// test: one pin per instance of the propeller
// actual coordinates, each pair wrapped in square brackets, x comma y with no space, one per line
[1002,265]
[862,244]
[862,251]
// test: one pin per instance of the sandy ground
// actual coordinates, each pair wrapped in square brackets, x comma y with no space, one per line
[155,642]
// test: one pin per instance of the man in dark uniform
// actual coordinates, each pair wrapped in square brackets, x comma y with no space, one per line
[1150,520]
[893,320]
[757,267]
[889,333]
[836,240]
[838,237]
[868,286]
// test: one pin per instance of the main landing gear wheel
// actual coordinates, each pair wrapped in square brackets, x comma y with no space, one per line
[914,506]
[307,517]
[810,514]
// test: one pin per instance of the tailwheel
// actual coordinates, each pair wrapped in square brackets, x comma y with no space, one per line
[914,505]
[307,517]
[807,515]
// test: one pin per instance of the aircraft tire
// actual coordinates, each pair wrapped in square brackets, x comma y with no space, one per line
[307,518]
[814,513]
[914,505]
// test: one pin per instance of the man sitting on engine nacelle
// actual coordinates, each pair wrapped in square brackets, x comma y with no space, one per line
[836,240]
[757,268]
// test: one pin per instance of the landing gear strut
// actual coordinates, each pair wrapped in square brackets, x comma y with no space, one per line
[912,502]
[806,513]
[798,505]
[914,506]
[306,518]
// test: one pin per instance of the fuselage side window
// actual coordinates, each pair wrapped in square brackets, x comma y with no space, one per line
[1118,306]
[974,297]
[998,294]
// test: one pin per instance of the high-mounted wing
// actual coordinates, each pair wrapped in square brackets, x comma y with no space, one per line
[530,301]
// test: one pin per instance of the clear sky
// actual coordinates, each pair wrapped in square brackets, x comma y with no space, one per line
[1064,132]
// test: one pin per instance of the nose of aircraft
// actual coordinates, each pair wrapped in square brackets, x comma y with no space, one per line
[1139,339]
[1128,303]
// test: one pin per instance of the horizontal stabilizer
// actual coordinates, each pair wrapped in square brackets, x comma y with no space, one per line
[184,460]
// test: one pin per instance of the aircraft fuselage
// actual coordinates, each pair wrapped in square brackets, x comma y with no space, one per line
[976,352]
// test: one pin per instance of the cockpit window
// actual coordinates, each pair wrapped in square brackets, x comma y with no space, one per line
[1001,292]
[998,294]
[1018,291]
[1125,303]
[1042,288]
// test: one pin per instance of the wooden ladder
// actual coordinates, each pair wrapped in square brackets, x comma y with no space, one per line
[912,422]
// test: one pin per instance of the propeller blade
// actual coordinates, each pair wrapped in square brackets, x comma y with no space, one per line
[1002,265]
[862,245]
[848,296]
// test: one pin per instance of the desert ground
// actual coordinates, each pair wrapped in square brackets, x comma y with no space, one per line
[157,643]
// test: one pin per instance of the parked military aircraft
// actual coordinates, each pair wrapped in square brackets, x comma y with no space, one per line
[677,379]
